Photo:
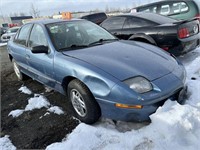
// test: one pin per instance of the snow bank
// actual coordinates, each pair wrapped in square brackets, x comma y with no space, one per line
[173,126]
[25,90]
[5,144]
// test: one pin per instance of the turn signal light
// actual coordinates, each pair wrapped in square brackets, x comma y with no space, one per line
[128,106]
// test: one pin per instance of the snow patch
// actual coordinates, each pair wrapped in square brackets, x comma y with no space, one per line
[6,144]
[37,103]
[56,110]
[16,113]
[25,90]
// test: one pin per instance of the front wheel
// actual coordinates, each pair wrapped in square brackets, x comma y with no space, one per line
[83,102]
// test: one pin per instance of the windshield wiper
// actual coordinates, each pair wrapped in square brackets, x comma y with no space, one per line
[100,41]
[74,46]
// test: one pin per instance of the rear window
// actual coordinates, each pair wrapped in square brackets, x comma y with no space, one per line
[174,8]
[163,8]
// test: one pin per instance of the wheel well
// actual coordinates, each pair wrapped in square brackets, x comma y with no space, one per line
[10,57]
[143,40]
[66,81]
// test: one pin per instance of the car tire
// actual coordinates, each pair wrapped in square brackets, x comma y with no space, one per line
[83,102]
[19,74]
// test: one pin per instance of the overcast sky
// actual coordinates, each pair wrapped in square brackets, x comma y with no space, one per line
[49,7]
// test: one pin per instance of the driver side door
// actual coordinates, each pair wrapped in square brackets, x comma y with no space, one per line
[40,64]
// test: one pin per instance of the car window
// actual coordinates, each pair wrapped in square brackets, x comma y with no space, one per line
[37,36]
[179,7]
[113,23]
[169,8]
[23,34]
[165,9]
[152,9]
[136,22]
[67,34]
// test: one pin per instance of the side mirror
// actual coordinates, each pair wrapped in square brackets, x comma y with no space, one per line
[40,49]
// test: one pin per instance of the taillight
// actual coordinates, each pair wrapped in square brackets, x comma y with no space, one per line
[198,16]
[183,33]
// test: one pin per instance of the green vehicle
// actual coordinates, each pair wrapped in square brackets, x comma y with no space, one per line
[178,9]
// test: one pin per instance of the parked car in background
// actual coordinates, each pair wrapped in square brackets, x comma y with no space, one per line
[178,9]
[96,17]
[9,33]
[101,75]
[176,37]
[3,30]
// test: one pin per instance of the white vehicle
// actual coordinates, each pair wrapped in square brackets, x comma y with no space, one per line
[9,33]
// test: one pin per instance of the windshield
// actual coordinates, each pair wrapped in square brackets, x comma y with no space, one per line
[77,34]
[12,30]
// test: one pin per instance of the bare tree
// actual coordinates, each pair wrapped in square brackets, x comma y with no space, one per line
[13,14]
[34,11]
[107,9]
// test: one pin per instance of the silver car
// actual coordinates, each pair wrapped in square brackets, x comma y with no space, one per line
[9,33]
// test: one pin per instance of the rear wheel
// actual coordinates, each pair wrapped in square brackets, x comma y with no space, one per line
[83,102]
[19,74]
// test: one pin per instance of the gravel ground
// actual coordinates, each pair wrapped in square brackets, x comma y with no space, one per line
[29,131]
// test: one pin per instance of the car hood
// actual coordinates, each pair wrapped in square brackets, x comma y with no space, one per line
[8,34]
[126,59]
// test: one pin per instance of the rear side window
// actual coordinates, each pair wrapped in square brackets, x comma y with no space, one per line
[113,23]
[23,35]
[165,10]
[151,9]
[136,22]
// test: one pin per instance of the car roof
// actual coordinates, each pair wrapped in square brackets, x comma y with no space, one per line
[144,15]
[164,1]
[49,21]
[157,18]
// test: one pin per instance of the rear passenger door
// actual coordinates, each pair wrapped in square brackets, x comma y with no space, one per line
[114,25]
[19,47]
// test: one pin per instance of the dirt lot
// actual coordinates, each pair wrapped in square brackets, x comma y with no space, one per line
[29,131]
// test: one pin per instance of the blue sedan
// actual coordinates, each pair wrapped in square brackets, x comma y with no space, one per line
[99,74]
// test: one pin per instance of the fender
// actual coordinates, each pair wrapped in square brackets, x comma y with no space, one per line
[143,36]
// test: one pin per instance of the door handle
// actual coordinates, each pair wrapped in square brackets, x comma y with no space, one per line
[27,57]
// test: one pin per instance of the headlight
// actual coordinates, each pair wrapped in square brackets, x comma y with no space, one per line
[139,84]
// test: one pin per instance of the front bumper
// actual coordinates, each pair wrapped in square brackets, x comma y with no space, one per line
[109,109]
[171,87]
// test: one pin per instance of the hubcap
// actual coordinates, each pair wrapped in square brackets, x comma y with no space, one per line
[16,69]
[78,103]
